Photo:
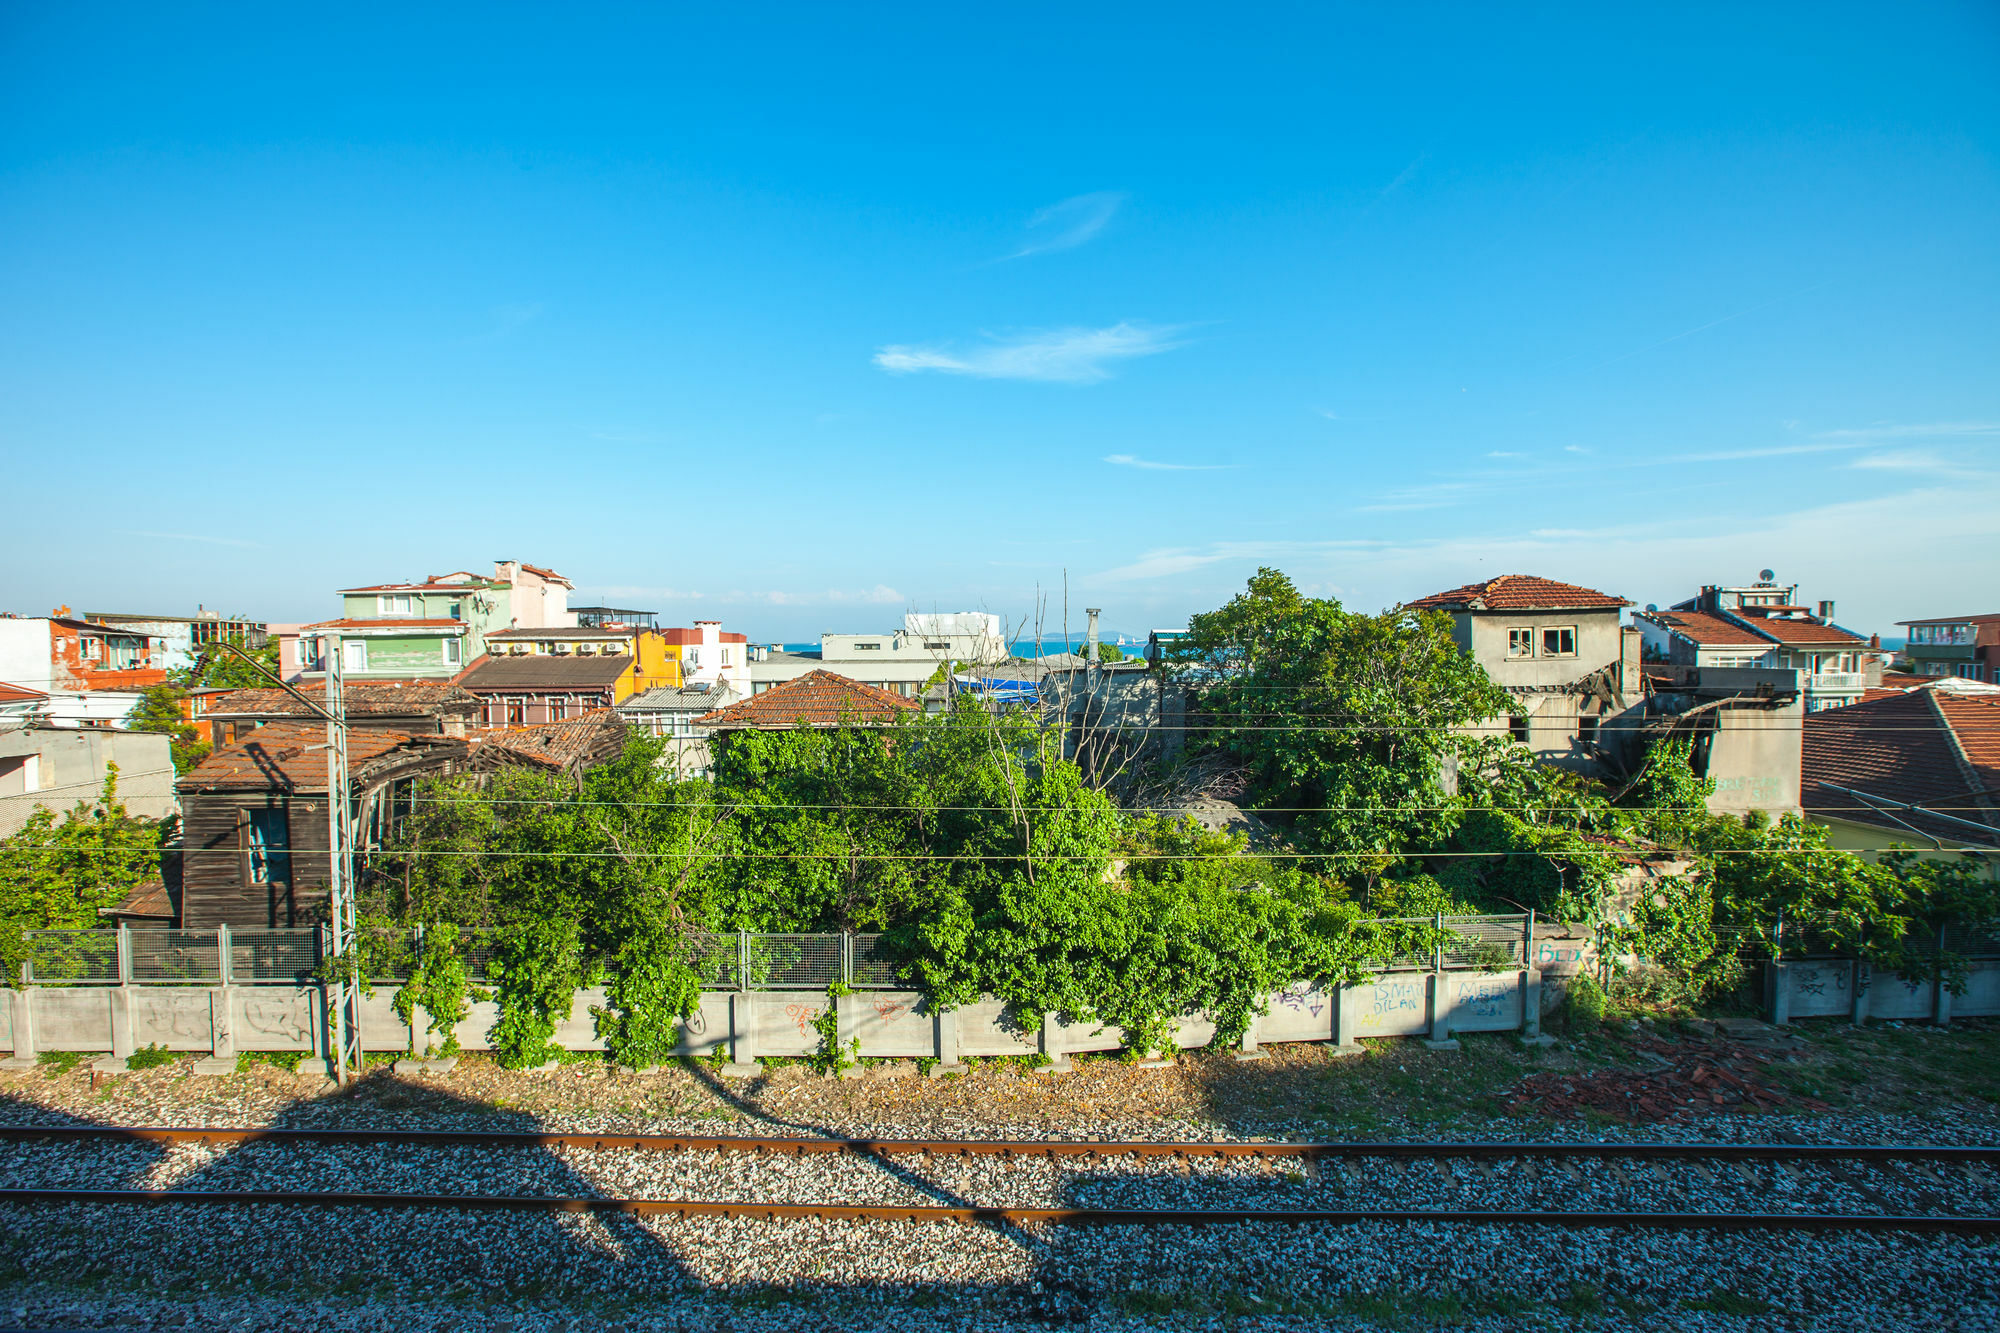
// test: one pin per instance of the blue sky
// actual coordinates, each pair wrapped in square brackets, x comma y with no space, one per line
[801,318]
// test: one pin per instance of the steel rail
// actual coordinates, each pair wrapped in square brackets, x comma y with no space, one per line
[1016,1216]
[603,1141]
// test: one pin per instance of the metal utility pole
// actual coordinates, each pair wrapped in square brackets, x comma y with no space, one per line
[345,998]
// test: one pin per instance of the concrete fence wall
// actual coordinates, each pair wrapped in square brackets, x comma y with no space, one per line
[750,1025]
[1845,988]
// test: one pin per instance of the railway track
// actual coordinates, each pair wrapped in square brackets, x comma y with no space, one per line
[1971,1168]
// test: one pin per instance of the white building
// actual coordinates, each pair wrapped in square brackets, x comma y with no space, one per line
[901,661]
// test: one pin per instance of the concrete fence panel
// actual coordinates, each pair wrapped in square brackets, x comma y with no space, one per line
[1299,1012]
[180,1019]
[987,1028]
[71,1018]
[277,1018]
[889,1024]
[781,1023]
[1982,991]
[1484,1003]
[1395,1004]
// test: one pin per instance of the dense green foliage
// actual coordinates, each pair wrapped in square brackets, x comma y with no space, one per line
[57,871]
[1347,720]
[159,710]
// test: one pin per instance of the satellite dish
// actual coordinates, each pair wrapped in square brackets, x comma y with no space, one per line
[1652,607]
[1766,575]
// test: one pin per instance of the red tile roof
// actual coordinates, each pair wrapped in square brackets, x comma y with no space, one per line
[576,742]
[291,757]
[16,694]
[1808,631]
[388,622]
[1896,745]
[686,636]
[548,574]
[817,699]
[363,698]
[1986,619]
[428,585]
[1699,627]
[1519,592]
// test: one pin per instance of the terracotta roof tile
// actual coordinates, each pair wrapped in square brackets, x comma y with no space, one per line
[573,743]
[363,698]
[15,694]
[543,671]
[291,756]
[816,699]
[1808,631]
[1894,745]
[1519,592]
[1699,627]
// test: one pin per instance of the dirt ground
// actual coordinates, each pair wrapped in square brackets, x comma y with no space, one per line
[1629,1073]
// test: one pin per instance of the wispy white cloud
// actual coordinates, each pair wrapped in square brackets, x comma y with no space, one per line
[1738,455]
[879,595]
[1503,453]
[1169,561]
[1147,464]
[1935,430]
[199,537]
[1064,356]
[1575,449]
[1066,225]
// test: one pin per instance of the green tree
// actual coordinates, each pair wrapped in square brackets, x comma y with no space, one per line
[55,873]
[1351,719]
[159,710]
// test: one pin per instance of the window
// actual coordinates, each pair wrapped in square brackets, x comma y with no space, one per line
[354,654]
[397,605]
[556,710]
[269,841]
[725,657]
[452,610]
[1969,670]
[936,645]
[451,652]
[517,713]
[1517,727]
[1520,643]
[1586,730]
[867,647]
[1559,642]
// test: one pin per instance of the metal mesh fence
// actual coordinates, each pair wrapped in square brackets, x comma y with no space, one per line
[273,956]
[876,965]
[1486,941]
[175,957]
[71,957]
[714,959]
[796,962]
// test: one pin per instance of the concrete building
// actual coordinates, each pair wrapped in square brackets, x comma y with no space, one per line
[672,713]
[902,661]
[1967,647]
[60,766]
[1833,664]
[1695,639]
[662,659]
[530,690]
[434,626]
[92,674]
[178,639]
[1558,649]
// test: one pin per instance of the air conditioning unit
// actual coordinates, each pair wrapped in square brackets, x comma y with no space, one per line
[516,649]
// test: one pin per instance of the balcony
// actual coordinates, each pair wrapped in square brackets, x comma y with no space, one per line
[1833,682]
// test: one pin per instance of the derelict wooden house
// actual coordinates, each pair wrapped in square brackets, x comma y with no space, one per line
[254,818]
[419,707]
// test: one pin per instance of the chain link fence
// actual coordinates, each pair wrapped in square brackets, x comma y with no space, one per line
[742,961]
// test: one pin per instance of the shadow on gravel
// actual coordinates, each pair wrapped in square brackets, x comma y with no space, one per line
[465,1265]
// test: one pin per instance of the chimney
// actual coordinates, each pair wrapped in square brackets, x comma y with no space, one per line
[1826,611]
[1091,634]
[1875,641]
